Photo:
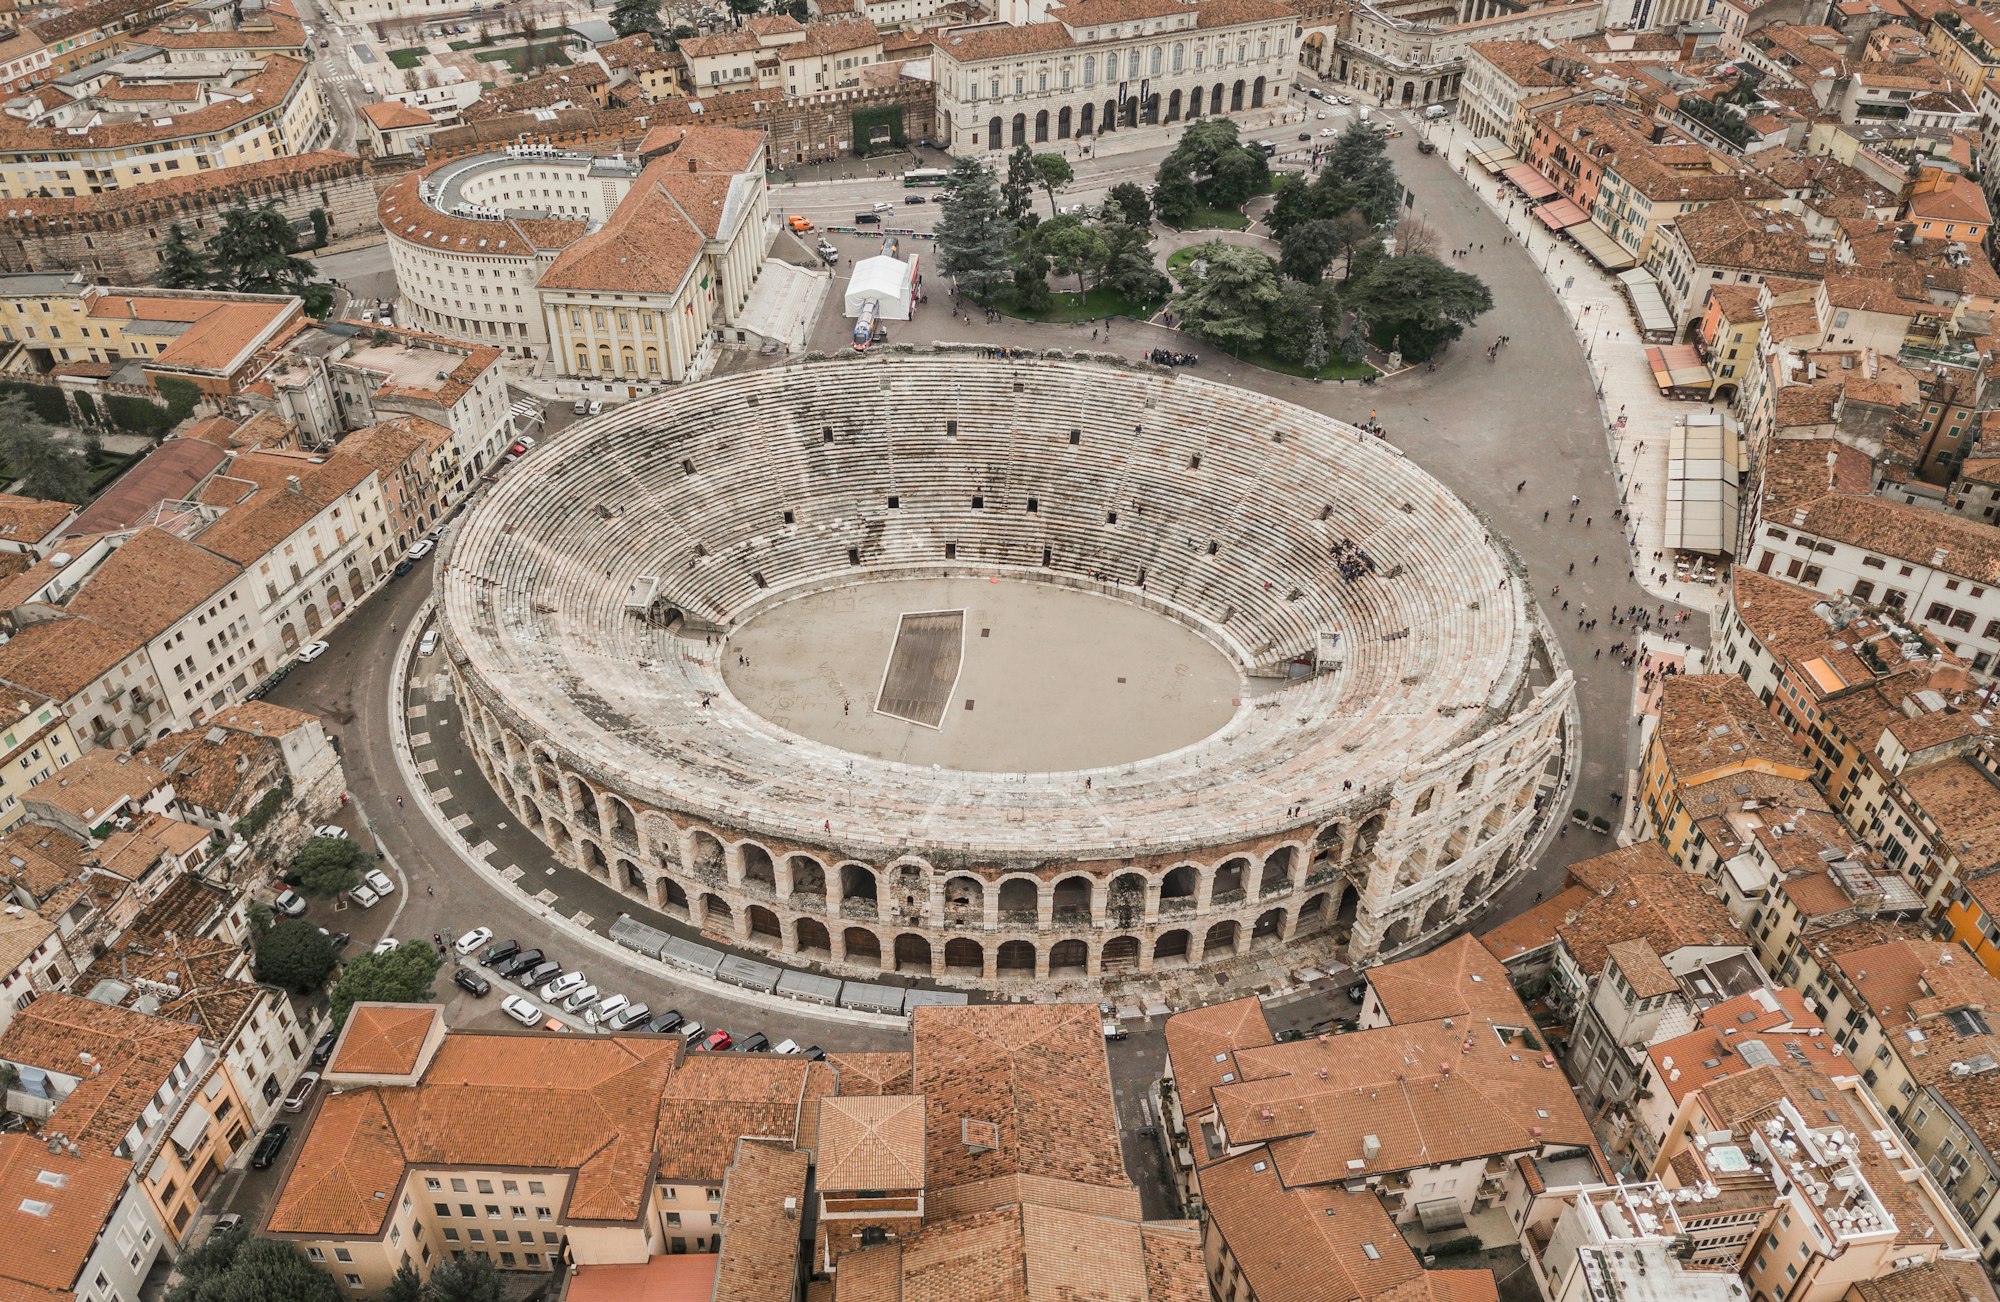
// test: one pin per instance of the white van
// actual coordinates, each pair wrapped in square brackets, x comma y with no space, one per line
[1436,111]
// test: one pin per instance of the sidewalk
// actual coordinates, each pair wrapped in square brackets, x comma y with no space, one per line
[1604,324]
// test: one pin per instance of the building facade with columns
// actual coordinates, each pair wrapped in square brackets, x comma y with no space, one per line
[1413,52]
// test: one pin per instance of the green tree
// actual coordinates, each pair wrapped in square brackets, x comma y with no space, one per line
[1416,304]
[1354,341]
[1019,187]
[255,253]
[1174,197]
[182,265]
[328,865]
[1291,318]
[464,1279]
[1234,176]
[1309,248]
[401,976]
[1031,284]
[48,466]
[237,1268]
[1052,173]
[973,240]
[295,954]
[1131,200]
[630,17]
[404,1286]
[1230,302]
[1357,176]
[1072,248]
[1128,268]
[1316,349]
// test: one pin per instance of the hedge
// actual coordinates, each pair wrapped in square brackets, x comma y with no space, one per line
[138,416]
[887,115]
[45,400]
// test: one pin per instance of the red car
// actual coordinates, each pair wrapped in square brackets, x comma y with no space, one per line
[716,1042]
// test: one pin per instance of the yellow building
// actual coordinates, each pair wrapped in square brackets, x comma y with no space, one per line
[1711,729]
[1966,43]
[35,741]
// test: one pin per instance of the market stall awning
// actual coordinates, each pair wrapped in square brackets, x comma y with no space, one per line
[1678,370]
[1603,250]
[1648,303]
[1529,181]
[1560,214]
[1703,479]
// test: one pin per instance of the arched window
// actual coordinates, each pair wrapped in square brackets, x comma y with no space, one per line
[1180,55]
[1154,63]
[652,361]
[631,362]
[1090,70]
[604,357]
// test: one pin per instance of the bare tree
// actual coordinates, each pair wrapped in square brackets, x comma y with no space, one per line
[1415,235]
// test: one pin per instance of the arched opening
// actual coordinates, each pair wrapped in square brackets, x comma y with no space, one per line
[1221,940]
[676,898]
[1019,899]
[758,871]
[857,883]
[964,957]
[1072,901]
[705,854]
[1174,107]
[765,924]
[335,603]
[1125,902]
[1110,115]
[1062,124]
[1496,818]
[1312,914]
[808,880]
[1370,832]
[630,877]
[993,133]
[1016,958]
[1177,888]
[1438,913]
[313,621]
[964,900]
[1152,108]
[1236,97]
[593,859]
[812,937]
[1409,93]
[1277,875]
[561,842]
[619,815]
[1071,956]
[1194,102]
[1020,128]
[1397,935]
[289,636]
[1042,127]
[1171,948]
[1473,888]
[913,953]
[1215,99]
[863,947]
[1270,926]
[715,908]
[1128,112]
[355,586]
[1121,954]
[1228,886]
[1257,94]
[1086,120]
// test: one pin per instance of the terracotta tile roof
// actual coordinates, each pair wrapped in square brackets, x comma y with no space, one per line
[1799,472]
[40,858]
[98,783]
[1201,1042]
[132,1057]
[1893,978]
[578,86]
[1032,1079]
[871,1143]
[872,1073]
[1522,62]
[1603,872]
[227,776]
[760,1233]
[383,1039]
[652,242]
[588,1104]
[1534,929]
[1713,724]
[1777,1018]
[389,445]
[1944,1280]
[393,115]
[833,37]
[168,472]
[1663,911]
[740,41]
[1964,804]
[974,44]
[211,999]
[48,1249]
[249,530]
[150,583]
[713,1099]
[1947,197]
[1308,1244]
[1458,977]
[247,98]
[21,934]
[1736,234]
[29,519]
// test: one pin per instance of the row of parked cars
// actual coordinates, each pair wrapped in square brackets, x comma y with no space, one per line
[573,992]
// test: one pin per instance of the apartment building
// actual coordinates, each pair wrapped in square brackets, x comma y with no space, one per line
[1503,79]
[72,1224]
[35,741]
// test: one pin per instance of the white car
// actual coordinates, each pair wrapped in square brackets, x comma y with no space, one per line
[331,830]
[312,651]
[522,1010]
[600,1013]
[384,945]
[689,1031]
[473,939]
[423,548]
[378,881]
[366,898]
[577,998]
[429,643]
[560,988]
[1328,131]
[785,1046]
[291,903]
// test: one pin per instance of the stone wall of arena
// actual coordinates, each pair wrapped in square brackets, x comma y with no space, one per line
[113,239]
[1401,869]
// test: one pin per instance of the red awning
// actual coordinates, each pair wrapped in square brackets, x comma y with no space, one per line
[1529,181]
[1560,214]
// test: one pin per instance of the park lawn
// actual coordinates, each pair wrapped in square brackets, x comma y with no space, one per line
[408,58]
[515,56]
[1098,305]
[1336,368]
[1216,219]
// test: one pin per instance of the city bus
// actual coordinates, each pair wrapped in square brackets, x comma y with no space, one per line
[917,176]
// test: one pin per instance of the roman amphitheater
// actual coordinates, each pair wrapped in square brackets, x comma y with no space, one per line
[1005,670]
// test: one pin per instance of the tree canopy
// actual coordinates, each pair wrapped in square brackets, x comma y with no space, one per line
[1052,172]
[234,1267]
[469,1278]
[1131,199]
[1229,301]
[1019,187]
[1415,303]
[1355,177]
[182,265]
[294,954]
[1072,248]
[973,237]
[630,17]
[401,976]
[328,865]
[254,253]
[48,466]
[1209,165]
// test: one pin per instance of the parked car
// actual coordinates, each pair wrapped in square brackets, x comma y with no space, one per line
[521,962]
[813,1053]
[689,1031]
[885,207]
[385,945]
[665,1022]
[332,831]
[629,1016]
[429,643]
[312,651]
[270,1145]
[541,973]
[563,986]
[423,548]
[378,881]
[402,568]
[337,939]
[716,1042]
[828,254]
[757,1042]
[786,1047]
[499,952]
[227,1224]
[302,1092]
[1305,135]
[290,903]
[522,1010]
[365,897]
[471,982]
[579,407]
[597,407]
[867,219]
[473,939]
[578,998]
[1315,93]
[600,1012]
[323,1049]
